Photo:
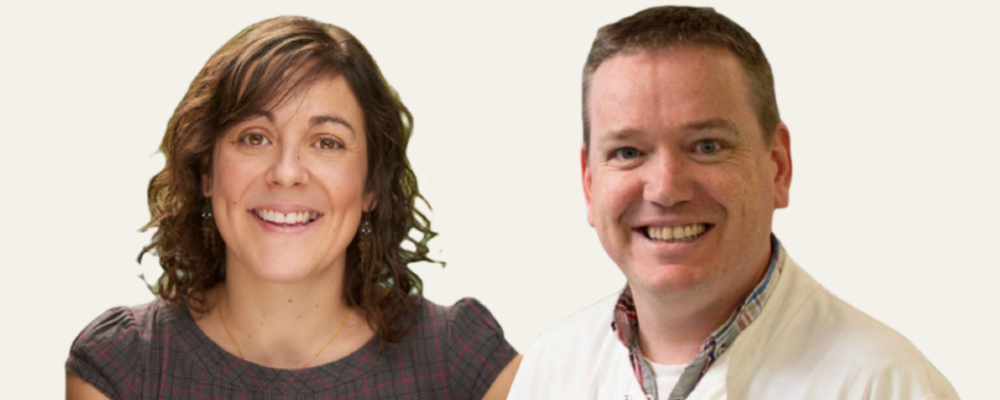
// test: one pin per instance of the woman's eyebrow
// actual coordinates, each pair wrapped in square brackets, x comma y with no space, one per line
[324,119]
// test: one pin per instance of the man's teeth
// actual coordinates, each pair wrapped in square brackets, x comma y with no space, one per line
[677,233]
[287,219]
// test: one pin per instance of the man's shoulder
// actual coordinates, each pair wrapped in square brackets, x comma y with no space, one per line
[811,329]
[590,323]
[566,360]
[827,320]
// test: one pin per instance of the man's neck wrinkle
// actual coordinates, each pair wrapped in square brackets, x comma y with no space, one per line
[673,338]
[672,332]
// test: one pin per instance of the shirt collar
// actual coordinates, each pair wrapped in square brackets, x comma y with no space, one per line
[626,325]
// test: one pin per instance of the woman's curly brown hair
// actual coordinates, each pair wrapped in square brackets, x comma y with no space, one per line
[255,71]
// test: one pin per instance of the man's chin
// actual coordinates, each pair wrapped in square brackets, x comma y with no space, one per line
[666,278]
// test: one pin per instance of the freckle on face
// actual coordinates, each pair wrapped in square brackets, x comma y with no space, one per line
[334,186]
[697,84]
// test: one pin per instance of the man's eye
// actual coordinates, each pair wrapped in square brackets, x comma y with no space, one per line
[328,144]
[254,139]
[626,153]
[708,147]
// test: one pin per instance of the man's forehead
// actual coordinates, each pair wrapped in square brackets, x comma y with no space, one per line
[650,70]
[683,85]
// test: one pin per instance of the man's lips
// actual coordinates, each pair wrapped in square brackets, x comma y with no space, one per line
[675,233]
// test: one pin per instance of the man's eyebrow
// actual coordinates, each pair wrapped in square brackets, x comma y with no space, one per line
[622,134]
[714,123]
[703,125]
[325,119]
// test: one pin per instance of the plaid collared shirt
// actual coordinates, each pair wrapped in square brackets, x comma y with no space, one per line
[626,325]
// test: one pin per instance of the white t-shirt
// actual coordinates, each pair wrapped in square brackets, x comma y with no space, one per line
[805,344]
[711,386]
[666,375]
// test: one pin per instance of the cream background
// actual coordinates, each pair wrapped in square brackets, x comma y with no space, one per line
[892,109]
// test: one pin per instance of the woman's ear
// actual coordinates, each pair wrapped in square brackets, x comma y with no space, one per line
[206,184]
[370,202]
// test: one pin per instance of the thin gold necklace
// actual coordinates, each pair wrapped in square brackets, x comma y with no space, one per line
[240,352]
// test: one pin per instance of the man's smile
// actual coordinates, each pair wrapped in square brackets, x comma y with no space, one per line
[675,234]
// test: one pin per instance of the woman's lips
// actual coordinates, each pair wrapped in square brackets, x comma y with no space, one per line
[285,221]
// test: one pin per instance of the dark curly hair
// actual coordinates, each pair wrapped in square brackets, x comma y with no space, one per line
[253,72]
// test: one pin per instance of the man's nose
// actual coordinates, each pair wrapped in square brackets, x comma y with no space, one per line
[287,169]
[669,181]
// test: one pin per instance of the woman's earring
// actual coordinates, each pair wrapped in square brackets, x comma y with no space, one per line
[365,242]
[208,225]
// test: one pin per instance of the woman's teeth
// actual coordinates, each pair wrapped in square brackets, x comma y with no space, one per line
[677,233]
[293,218]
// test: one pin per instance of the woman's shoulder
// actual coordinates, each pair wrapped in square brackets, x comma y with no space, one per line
[467,340]
[119,327]
[464,313]
[110,352]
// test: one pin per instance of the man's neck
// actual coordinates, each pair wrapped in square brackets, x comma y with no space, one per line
[672,329]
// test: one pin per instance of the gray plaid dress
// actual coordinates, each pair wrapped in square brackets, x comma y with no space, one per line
[156,351]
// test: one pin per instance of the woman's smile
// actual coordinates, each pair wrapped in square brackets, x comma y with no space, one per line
[288,185]
[285,219]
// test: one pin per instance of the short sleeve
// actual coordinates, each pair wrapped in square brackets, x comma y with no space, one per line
[105,354]
[477,346]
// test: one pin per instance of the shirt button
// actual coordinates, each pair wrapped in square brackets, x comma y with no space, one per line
[649,397]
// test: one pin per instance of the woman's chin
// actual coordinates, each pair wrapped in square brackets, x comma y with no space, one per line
[285,273]
[287,265]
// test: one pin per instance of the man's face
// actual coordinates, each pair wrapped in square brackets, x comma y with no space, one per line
[680,183]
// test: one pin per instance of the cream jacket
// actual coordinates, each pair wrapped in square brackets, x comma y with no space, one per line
[806,344]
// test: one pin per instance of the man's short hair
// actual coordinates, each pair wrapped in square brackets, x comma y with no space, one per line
[659,28]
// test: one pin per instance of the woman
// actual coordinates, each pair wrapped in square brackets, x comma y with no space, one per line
[281,215]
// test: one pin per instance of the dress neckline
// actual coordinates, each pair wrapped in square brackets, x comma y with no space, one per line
[221,364]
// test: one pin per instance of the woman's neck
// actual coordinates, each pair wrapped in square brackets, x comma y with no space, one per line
[283,325]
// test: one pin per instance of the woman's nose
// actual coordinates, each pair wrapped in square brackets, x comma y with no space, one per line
[288,169]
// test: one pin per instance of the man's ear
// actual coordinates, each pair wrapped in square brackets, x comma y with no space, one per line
[586,181]
[781,157]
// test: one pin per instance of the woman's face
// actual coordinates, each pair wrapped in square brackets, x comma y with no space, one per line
[287,186]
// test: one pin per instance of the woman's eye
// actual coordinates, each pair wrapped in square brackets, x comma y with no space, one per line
[708,147]
[626,153]
[254,139]
[328,144]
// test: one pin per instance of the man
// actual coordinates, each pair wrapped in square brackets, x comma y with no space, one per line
[684,161]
